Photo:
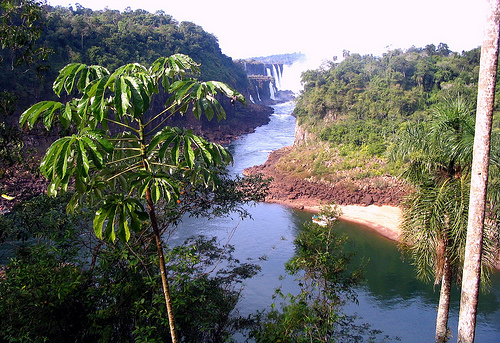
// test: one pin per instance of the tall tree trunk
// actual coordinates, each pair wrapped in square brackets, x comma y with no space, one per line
[163,269]
[479,178]
[444,304]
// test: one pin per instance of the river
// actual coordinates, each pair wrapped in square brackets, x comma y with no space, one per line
[391,299]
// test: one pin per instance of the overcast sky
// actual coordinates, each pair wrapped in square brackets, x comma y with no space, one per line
[320,28]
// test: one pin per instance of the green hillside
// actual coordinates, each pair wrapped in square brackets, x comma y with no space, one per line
[352,111]
[111,38]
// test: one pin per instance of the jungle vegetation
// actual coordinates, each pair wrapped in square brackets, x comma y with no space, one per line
[357,108]
[111,38]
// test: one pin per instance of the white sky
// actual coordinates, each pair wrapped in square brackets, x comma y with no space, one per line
[321,28]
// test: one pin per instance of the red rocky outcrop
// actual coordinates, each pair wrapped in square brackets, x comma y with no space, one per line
[299,192]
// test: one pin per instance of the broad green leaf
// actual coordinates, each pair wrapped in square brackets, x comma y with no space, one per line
[172,138]
[182,89]
[175,151]
[208,108]
[82,154]
[167,137]
[52,189]
[49,114]
[188,152]
[99,137]
[122,96]
[66,115]
[64,182]
[155,192]
[172,68]
[48,162]
[183,109]
[69,75]
[99,219]
[197,111]
[110,234]
[202,145]
[136,214]
[80,184]
[98,91]
[93,152]
[219,154]
[135,223]
[46,108]
[123,228]
[84,80]
[63,154]
[139,104]
[157,139]
[228,91]
[66,78]
[83,111]
[142,215]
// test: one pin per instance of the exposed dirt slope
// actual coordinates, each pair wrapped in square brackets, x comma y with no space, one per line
[302,193]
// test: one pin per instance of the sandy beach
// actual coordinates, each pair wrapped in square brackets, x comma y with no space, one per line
[384,219]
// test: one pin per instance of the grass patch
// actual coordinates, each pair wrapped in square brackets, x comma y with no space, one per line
[330,164]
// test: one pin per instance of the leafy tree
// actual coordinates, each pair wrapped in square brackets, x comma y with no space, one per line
[120,156]
[11,138]
[43,297]
[326,281]
[21,26]
[439,157]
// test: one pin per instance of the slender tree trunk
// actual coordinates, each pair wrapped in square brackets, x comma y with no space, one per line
[163,270]
[479,178]
[444,305]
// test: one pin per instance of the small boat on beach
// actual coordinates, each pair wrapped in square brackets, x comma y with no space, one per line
[320,220]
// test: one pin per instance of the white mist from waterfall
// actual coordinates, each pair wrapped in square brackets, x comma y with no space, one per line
[291,77]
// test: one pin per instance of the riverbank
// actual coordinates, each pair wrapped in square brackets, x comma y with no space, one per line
[375,208]
[384,219]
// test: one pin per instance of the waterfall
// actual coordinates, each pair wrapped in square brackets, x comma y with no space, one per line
[258,95]
[277,76]
[271,84]
[271,91]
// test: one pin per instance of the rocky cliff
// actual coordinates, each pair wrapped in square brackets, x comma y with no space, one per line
[302,136]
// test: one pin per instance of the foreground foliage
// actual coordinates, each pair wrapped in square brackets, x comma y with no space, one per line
[327,280]
[65,285]
[122,158]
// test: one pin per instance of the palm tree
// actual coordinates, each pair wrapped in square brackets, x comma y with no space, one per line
[479,183]
[439,156]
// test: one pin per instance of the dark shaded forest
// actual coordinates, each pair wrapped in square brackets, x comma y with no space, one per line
[110,39]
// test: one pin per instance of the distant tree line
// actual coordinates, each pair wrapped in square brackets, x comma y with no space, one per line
[365,100]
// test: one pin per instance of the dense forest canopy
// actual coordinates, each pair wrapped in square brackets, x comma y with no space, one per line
[365,100]
[111,38]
